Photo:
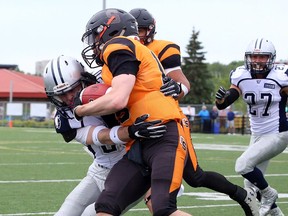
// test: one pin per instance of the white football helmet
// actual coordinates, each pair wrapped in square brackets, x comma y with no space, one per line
[260,46]
[61,75]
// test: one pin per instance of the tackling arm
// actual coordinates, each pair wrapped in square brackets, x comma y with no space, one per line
[111,102]
[100,135]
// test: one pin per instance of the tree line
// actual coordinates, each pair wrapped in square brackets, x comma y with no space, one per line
[205,78]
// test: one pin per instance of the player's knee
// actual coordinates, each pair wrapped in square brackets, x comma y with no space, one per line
[242,166]
[196,178]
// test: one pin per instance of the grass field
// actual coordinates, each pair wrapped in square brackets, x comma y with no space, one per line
[38,169]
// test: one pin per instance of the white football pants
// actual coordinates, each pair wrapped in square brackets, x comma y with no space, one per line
[260,150]
[85,193]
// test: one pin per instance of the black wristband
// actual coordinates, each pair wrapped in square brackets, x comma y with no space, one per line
[131,133]
[78,118]
[232,95]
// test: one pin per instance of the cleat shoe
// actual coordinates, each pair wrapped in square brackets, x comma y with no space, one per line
[275,212]
[268,197]
[251,201]
[246,197]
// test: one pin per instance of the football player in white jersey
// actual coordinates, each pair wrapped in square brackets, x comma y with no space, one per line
[264,87]
[62,78]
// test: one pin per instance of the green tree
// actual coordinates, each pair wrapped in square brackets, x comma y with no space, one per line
[221,77]
[197,73]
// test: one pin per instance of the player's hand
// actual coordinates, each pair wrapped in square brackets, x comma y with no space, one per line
[149,129]
[77,102]
[170,87]
[88,78]
[221,93]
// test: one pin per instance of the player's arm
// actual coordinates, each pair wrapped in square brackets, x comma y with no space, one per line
[171,62]
[124,67]
[111,102]
[284,91]
[140,129]
[225,98]
[183,85]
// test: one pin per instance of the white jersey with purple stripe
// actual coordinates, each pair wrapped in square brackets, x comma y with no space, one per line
[104,155]
[266,106]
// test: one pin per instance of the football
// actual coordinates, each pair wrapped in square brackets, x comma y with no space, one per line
[93,92]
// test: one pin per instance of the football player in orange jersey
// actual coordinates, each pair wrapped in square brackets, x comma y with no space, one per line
[135,75]
[170,58]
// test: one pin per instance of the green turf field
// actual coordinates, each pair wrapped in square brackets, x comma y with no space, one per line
[38,169]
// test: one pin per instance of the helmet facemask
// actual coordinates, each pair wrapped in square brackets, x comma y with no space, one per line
[149,34]
[145,21]
[102,27]
[260,57]
[259,67]
[93,38]
[55,98]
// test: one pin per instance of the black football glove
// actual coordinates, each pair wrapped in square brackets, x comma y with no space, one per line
[77,102]
[221,93]
[88,78]
[170,87]
[149,129]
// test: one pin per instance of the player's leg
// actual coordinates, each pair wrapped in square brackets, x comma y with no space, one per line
[147,198]
[260,151]
[217,182]
[166,157]
[84,194]
[124,185]
[196,177]
[99,174]
[89,210]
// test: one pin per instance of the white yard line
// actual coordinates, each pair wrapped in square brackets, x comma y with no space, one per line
[203,196]
[221,147]
[40,181]
[78,180]
[32,164]
[136,209]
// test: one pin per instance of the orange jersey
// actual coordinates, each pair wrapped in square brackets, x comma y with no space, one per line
[145,96]
[167,52]
[169,55]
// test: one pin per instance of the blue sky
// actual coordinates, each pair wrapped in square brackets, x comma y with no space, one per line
[34,30]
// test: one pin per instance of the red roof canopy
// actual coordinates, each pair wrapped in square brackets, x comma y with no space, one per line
[23,85]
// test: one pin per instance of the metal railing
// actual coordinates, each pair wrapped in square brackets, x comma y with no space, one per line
[220,125]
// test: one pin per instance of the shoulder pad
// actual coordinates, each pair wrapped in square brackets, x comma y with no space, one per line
[63,127]
[238,74]
[279,73]
[61,124]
